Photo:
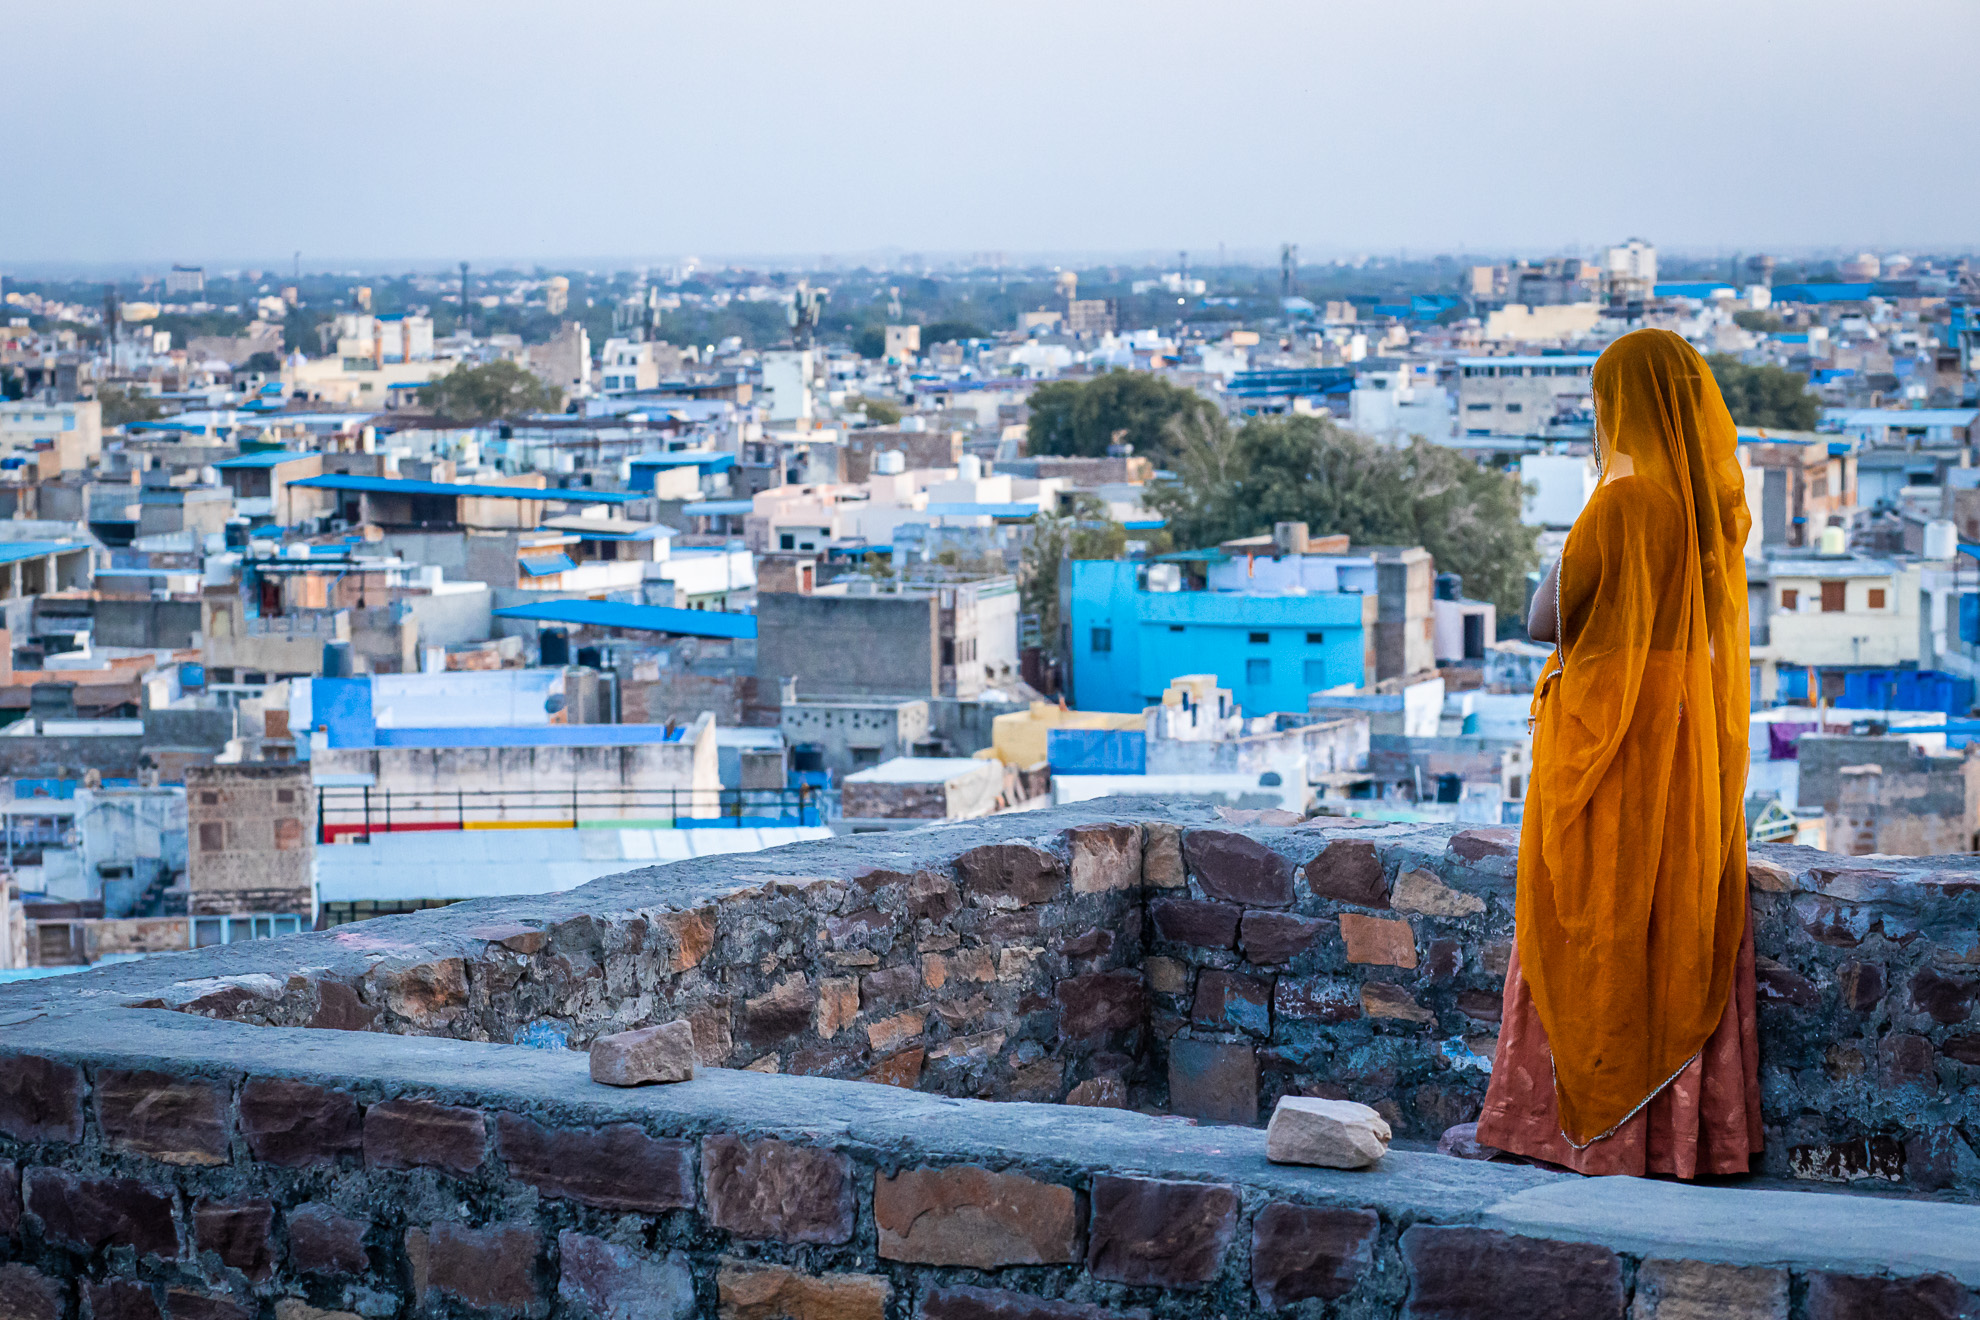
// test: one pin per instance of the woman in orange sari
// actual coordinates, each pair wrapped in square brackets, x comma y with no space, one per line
[1627,1042]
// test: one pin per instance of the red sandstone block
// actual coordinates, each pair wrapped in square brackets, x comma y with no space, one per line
[1105,857]
[1232,1001]
[321,1241]
[1238,868]
[1276,937]
[1387,941]
[1851,1297]
[238,1234]
[410,1134]
[962,1303]
[1300,1251]
[1475,1274]
[87,1213]
[1349,871]
[119,1299]
[28,1294]
[180,1120]
[1491,841]
[614,1168]
[1192,921]
[492,1269]
[776,1190]
[40,1099]
[1012,870]
[1090,1006]
[294,1124]
[338,1008]
[1153,1232]
[969,1216]
[10,1200]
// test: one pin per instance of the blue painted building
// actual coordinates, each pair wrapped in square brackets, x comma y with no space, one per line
[1126,642]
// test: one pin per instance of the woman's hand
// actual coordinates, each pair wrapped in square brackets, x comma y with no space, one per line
[1543,623]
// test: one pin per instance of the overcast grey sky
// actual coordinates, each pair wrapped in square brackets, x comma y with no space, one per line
[431,129]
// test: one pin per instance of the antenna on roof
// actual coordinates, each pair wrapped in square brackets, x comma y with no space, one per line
[464,303]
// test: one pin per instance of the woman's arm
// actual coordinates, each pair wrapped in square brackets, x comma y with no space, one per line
[1543,622]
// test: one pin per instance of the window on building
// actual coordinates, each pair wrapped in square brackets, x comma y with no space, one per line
[1315,675]
[1515,407]
[1876,598]
[1175,627]
[1834,597]
[1790,600]
[1257,672]
[288,834]
[787,542]
[212,836]
[1316,639]
[1103,640]
[1478,407]
[865,756]
[948,650]
[1259,639]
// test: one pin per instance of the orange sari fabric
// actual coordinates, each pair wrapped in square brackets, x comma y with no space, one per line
[1632,861]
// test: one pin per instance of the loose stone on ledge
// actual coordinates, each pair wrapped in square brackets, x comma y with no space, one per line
[1335,1134]
[650,1054]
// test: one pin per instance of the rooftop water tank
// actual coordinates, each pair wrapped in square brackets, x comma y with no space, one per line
[970,468]
[1941,539]
[889,463]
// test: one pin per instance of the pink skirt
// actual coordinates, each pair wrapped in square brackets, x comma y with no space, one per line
[1705,1122]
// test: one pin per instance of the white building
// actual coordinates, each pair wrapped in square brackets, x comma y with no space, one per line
[787,383]
[1393,405]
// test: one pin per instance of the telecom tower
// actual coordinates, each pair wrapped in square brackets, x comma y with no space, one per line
[1288,268]
[465,325]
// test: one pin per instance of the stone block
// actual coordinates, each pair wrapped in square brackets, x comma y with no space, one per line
[1161,856]
[1482,1005]
[645,1055]
[1277,937]
[1460,1142]
[1871,1159]
[768,1292]
[28,1294]
[1152,1232]
[339,1008]
[491,1269]
[618,1167]
[429,994]
[1442,961]
[1232,1001]
[294,1308]
[690,935]
[604,1281]
[1903,1058]
[838,1005]
[1089,945]
[185,1304]
[1418,890]
[119,1299]
[1105,857]
[1301,1251]
[10,1201]
[1384,941]
[890,988]
[903,1069]
[1167,976]
[1938,1159]
[713,1042]
[1379,999]
[1332,1134]
[1215,1081]
[1852,1297]
[413,1134]
[40,1099]
[1018,873]
[981,1045]
[932,896]
[891,1033]
[1192,921]
[238,1234]
[1783,985]
[784,1012]
[294,1124]
[1694,1290]
[87,1213]
[778,1191]
[1349,871]
[1946,999]
[965,1303]
[967,1216]
[1862,985]
[1238,868]
[1476,1274]
[321,1241]
[1099,1093]
[1310,999]
[1490,843]
[180,1120]
[1097,1003]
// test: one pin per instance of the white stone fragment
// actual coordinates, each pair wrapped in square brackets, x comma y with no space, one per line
[1335,1134]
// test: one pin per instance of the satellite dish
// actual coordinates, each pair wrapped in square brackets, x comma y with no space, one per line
[554,702]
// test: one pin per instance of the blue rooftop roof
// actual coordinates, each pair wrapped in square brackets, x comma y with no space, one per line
[395,486]
[266,459]
[704,459]
[12,552]
[716,508]
[637,618]
[965,510]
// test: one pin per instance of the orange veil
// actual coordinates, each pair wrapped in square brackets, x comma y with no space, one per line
[1632,856]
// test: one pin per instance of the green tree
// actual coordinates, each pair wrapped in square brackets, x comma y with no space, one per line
[943,332]
[1085,417]
[121,407]
[263,363]
[1307,469]
[1084,533]
[870,341]
[880,412]
[490,392]
[1765,396]
[1760,322]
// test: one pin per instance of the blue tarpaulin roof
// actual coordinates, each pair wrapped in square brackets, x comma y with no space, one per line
[708,462]
[545,565]
[637,618]
[265,459]
[964,510]
[716,508]
[14,551]
[395,486]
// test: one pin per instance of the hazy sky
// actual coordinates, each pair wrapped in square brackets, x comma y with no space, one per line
[434,129]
